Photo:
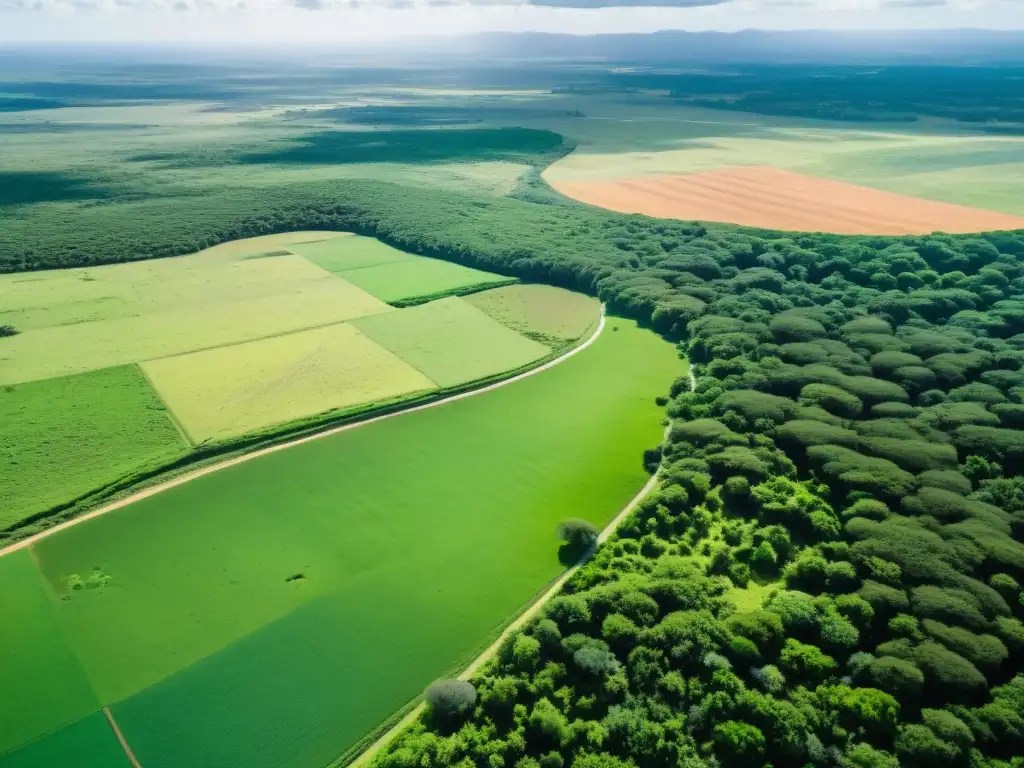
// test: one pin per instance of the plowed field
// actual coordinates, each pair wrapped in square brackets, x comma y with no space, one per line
[762,196]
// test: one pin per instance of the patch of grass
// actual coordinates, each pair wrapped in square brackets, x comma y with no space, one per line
[451,341]
[385,522]
[86,743]
[65,437]
[240,388]
[539,311]
[341,254]
[43,682]
[416,280]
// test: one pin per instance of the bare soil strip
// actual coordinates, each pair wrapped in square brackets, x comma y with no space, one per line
[773,198]
[207,470]
[120,737]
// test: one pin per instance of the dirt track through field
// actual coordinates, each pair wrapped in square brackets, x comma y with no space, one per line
[532,610]
[773,198]
[208,470]
[129,755]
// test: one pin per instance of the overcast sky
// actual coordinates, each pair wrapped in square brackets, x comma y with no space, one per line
[298,20]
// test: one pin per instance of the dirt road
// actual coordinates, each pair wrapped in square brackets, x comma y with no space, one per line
[208,470]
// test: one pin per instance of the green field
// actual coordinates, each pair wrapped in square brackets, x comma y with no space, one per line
[341,254]
[539,311]
[408,281]
[241,388]
[65,437]
[451,341]
[87,743]
[43,682]
[261,670]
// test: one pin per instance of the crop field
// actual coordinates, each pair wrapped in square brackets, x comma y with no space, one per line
[408,281]
[539,311]
[52,687]
[65,437]
[244,604]
[340,254]
[86,743]
[768,197]
[244,387]
[451,341]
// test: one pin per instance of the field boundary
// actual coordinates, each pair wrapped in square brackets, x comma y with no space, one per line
[406,715]
[121,738]
[302,438]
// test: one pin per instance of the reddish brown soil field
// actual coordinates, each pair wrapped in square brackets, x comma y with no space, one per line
[761,196]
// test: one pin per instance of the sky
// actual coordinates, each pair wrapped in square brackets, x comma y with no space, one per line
[342,20]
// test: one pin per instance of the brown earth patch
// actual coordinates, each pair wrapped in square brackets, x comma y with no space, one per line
[762,196]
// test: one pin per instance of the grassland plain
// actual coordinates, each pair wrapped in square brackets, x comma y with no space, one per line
[44,684]
[241,388]
[451,341]
[200,574]
[340,254]
[86,743]
[65,437]
[408,282]
[538,311]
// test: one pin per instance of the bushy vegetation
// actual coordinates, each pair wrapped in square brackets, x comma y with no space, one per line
[848,454]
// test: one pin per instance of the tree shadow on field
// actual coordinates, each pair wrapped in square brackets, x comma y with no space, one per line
[571,553]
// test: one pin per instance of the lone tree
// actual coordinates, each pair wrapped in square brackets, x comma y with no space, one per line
[8,330]
[449,699]
[578,534]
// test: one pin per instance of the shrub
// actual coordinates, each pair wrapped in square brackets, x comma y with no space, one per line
[805,662]
[594,661]
[793,328]
[885,600]
[953,605]
[862,473]
[899,677]
[976,392]
[893,410]
[735,460]
[795,609]
[948,727]
[739,744]
[984,651]
[581,534]
[872,509]
[832,399]
[916,745]
[947,479]
[951,675]
[863,755]
[549,725]
[911,455]
[802,432]
[570,612]
[950,415]
[884,363]
[8,330]
[992,442]
[450,699]
[705,431]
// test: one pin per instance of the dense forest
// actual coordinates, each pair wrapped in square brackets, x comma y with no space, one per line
[852,453]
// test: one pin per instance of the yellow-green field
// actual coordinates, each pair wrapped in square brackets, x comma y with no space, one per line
[539,311]
[451,341]
[244,387]
[119,371]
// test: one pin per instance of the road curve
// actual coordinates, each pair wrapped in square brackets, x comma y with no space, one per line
[210,469]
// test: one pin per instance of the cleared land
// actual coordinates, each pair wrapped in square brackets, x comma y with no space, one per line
[423,278]
[290,294]
[245,387]
[341,254]
[65,437]
[43,682]
[451,341]
[761,196]
[392,514]
[539,311]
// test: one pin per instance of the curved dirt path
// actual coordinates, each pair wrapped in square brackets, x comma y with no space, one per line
[532,610]
[210,469]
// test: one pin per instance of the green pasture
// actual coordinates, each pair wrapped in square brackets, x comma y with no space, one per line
[242,388]
[65,437]
[341,254]
[423,278]
[283,607]
[539,311]
[451,341]
[44,684]
[87,743]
